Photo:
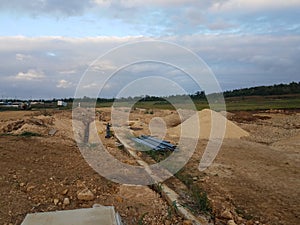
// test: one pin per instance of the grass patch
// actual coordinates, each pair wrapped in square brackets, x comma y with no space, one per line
[243,214]
[184,178]
[141,220]
[157,187]
[199,201]
[158,156]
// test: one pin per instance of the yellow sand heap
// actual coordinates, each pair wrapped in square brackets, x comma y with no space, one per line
[189,127]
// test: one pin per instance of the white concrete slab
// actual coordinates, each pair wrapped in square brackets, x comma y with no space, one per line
[92,216]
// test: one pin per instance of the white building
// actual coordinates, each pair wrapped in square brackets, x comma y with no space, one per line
[61,103]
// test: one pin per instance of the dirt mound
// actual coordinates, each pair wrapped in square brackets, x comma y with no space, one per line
[205,118]
[35,125]
[178,117]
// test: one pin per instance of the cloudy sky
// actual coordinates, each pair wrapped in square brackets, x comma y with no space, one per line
[47,45]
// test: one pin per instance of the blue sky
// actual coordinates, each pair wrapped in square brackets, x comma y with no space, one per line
[45,46]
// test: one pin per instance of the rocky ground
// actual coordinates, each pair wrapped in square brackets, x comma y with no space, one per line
[254,180]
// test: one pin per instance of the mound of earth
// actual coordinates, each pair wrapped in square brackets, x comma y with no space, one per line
[37,125]
[178,117]
[203,123]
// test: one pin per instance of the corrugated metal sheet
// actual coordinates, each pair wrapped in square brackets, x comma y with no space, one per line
[154,143]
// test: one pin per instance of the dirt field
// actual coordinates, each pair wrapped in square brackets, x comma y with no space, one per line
[254,179]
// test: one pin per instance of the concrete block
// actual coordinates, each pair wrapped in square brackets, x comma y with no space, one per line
[91,216]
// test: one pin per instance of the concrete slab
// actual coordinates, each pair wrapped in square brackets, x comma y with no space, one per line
[91,216]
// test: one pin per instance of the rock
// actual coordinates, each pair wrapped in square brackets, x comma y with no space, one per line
[52,132]
[64,192]
[55,201]
[167,222]
[29,188]
[66,201]
[240,219]
[85,195]
[22,184]
[119,199]
[226,214]
[231,222]
[195,178]
[187,222]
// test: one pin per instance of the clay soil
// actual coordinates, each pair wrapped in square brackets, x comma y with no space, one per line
[36,171]
[255,178]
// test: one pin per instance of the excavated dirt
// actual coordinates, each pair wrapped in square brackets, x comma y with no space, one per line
[254,180]
[38,173]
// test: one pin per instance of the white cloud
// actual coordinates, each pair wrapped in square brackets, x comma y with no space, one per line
[68,72]
[139,3]
[64,84]
[31,74]
[236,60]
[39,7]
[253,5]
[92,85]
[104,66]
[23,57]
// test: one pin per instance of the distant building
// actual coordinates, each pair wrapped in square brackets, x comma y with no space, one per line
[16,105]
[37,103]
[62,103]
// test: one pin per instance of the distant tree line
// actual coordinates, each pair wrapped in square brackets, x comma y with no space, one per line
[277,89]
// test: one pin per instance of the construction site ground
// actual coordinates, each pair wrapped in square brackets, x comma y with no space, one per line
[254,179]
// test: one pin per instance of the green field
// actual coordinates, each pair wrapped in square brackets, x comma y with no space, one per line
[244,103]
[232,103]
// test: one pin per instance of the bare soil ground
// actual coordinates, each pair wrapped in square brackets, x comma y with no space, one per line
[35,172]
[256,179]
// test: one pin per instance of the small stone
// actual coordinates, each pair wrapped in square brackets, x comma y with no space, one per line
[85,195]
[22,184]
[55,201]
[167,222]
[187,222]
[29,188]
[15,176]
[195,178]
[226,214]
[231,222]
[119,199]
[64,192]
[66,201]
[240,219]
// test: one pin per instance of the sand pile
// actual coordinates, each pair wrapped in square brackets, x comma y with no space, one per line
[176,118]
[205,117]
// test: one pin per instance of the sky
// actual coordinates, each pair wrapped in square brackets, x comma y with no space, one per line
[47,46]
